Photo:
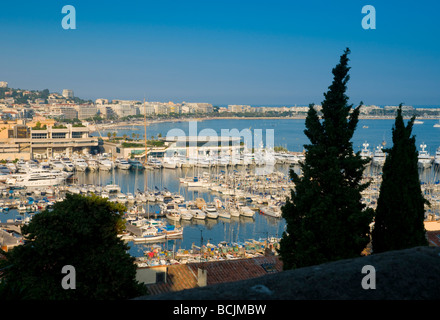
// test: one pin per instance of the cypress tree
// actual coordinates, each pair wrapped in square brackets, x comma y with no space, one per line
[325,217]
[400,208]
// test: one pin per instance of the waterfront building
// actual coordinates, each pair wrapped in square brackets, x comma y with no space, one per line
[14,140]
[238,108]
[125,110]
[106,111]
[196,107]
[3,84]
[52,141]
[193,147]
[86,111]
[65,112]
[42,139]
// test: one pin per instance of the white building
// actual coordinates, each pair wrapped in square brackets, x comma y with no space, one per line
[67,93]
[3,84]
[125,110]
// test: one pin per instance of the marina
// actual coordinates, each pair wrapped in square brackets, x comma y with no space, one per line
[206,206]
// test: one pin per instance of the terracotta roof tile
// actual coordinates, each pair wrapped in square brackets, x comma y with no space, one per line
[434,238]
[184,276]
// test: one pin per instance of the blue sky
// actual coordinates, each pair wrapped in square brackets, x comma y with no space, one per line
[223,52]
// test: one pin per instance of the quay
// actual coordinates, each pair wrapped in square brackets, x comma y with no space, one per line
[7,240]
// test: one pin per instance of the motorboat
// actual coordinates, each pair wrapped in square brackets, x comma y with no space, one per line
[136,164]
[171,162]
[154,163]
[171,231]
[121,198]
[424,159]
[105,165]
[57,164]
[185,214]
[130,197]
[150,234]
[93,164]
[80,164]
[223,213]
[211,212]
[365,152]
[35,180]
[68,165]
[379,157]
[112,188]
[122,164]
[245,211]
[196,212]
[437,157]
[172,212]
[271,210]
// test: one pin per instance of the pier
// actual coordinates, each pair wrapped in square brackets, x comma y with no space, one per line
[7,240]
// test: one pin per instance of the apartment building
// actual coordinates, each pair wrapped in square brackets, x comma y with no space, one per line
[52,141]
[42,139]
[86,111]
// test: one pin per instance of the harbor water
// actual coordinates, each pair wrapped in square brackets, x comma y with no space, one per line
[288,133]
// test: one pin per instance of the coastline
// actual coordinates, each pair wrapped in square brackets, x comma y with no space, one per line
[96,127]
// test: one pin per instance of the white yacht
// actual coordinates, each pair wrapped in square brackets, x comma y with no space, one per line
[112,188]
[80,164]
[68,165]
[365,152]
[122,164]
[105,165]
[121,198]
[437,157]
[272,210]
[379,156]
[196,212]
[424,159]
[154,162]
[246,211]
[57,164]
[136,164]
[171,211]
[185,214]
[93,164]
[42,179]
[211,212]
[171,163]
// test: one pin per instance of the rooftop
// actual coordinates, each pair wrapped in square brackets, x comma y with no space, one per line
[185,276]
[411,274]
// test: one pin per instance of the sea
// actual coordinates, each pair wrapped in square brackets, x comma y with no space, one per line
[288,133]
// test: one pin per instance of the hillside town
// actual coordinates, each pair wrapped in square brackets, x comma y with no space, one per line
[27,104]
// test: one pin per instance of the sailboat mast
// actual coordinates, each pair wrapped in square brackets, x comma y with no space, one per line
[146,149]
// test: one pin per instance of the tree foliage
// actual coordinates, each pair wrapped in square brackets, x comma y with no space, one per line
[325,217]
[400,208]
[81,232]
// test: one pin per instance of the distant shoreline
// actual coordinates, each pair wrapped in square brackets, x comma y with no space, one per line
[136,122]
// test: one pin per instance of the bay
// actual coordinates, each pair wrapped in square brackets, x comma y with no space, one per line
[288,133]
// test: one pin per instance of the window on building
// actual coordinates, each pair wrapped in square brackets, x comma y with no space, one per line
[77,135]
[160,277]
[58,135]
[39,135]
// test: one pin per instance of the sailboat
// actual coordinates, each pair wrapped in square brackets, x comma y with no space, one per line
[437,125]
